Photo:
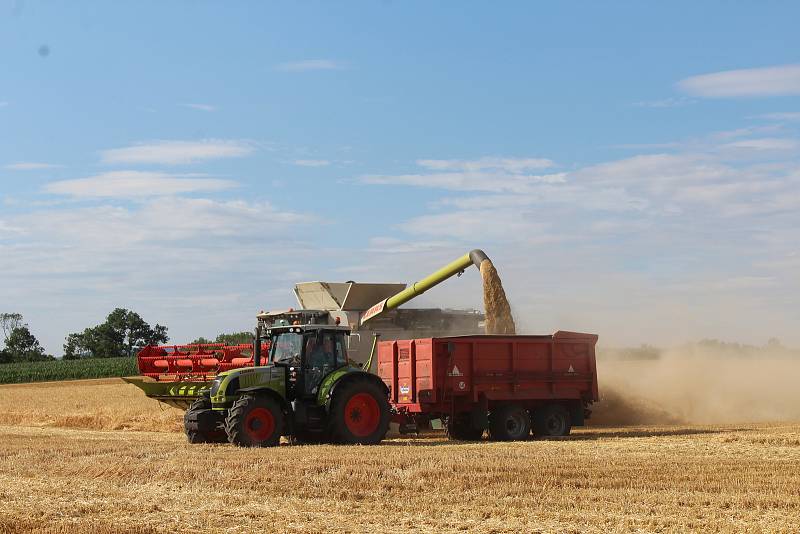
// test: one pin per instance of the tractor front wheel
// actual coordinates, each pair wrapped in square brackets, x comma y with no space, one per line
[203,425]
[254,421]
[359,413]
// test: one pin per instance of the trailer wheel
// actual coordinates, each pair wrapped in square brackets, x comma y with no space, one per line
[203,425]
[509,423]
[359,413]
[551,420]
[254,421]
[460,428]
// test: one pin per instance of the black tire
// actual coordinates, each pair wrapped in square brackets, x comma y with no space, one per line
[509,423]
[254,421]
[551,420]
[203,425]
[460,428]
[359,413]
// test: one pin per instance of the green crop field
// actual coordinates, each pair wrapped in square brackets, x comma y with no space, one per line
[15,373]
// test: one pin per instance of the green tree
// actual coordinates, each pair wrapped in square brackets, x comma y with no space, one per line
[236,338]
[75,347]
[122,334]
[10,322]
[22,346]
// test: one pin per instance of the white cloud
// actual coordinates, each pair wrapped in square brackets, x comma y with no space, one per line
[710,185]
[312,162]
[767,81]
[158,220]
[746,282]
[468,181]
[30,166]
[646,146]
[671,102]
[482,226]
[184,262]
[310,64]
[653,172]
[514,165]
[781,116]
[129,184]
[200,107]
[485,174]
[7,230]
[570,196]
[178,152]
[767,143]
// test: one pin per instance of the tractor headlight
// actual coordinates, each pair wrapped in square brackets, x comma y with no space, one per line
[215,386]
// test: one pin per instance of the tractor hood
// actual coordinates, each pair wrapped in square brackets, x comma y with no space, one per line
[230,385]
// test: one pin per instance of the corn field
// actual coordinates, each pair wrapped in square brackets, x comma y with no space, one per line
[20,372]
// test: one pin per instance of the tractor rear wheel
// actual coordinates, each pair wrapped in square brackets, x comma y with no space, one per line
[203,425]
[509,423]
[460,428]
[359,413]
[551,420]
[254,421]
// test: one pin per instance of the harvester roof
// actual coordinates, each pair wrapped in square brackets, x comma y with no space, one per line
[349,296]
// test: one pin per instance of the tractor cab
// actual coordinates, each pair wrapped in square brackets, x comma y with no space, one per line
[309,353]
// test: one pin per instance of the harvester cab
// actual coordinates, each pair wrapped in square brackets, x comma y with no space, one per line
[305,387]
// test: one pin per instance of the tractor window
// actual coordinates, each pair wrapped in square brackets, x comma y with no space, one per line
[286,348]
[341,351]
[320,350]
[320,359]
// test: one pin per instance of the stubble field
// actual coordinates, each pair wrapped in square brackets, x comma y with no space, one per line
[97,456]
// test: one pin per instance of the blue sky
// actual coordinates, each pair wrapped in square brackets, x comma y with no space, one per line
[631,167]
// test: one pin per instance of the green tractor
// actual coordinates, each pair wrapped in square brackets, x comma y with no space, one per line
[307,390]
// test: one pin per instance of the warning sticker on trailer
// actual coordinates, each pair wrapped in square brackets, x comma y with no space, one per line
[571,369]
[455,372]
[404,389]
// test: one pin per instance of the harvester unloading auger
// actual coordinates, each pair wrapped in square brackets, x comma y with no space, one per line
[474,257]
[310,388]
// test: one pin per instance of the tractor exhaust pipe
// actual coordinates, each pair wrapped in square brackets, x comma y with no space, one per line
[474,257]
[257,347]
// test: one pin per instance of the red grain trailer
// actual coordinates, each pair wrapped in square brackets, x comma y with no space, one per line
[508,385]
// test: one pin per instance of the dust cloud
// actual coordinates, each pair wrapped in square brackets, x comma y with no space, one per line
[698,384]
[498,312]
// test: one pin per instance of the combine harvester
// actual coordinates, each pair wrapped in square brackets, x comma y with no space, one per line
[313,388]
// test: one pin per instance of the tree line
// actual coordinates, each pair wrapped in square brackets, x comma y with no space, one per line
[123,333]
